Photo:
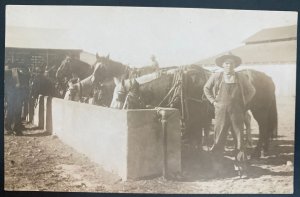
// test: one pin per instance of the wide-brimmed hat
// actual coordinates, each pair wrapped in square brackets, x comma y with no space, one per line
[220,60]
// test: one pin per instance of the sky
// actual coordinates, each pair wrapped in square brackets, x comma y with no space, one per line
[131,35]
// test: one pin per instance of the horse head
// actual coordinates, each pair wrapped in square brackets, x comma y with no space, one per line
[119,95]
[113,68]
[99,74]
[134,86]
[103,59]
[73,67]
[65,68]
[127,95]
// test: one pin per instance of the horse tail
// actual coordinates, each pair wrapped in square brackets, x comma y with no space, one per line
[273,119]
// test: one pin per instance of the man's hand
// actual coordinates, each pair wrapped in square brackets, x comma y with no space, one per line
[215,103]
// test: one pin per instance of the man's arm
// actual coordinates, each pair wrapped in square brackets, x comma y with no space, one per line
[248,89]
[208,89]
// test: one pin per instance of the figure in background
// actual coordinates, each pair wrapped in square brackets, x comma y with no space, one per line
[13,98]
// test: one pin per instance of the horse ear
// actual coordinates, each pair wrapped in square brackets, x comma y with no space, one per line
[97,56]
[107,57]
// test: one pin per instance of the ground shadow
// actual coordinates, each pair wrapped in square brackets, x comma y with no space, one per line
[202,165]
[199,165]
[32,128]
[36,134]
[256,172]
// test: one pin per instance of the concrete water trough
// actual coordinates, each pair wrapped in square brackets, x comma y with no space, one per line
[129,143]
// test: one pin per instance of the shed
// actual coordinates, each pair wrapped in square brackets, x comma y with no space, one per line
[38,47]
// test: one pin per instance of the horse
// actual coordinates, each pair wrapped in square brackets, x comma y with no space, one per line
[113,68]
[73,67]
[183,89]
[82,90]
[176,88]
[41,85]
[110,69]
[138,72]
[103,93]
[127,96]
[263,108]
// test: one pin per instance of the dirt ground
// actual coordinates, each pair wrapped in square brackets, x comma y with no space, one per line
[40,162]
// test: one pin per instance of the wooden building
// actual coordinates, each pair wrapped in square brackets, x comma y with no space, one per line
[272,51]
[40,47]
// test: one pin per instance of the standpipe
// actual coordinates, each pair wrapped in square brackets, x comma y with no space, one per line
[163,119]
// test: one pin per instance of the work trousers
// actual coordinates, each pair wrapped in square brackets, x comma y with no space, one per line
[229,113]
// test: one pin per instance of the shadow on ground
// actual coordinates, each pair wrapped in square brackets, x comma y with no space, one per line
[199,165]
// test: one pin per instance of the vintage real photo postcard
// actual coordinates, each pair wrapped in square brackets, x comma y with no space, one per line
[115,99]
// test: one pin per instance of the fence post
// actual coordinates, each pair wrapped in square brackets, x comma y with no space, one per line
[48,114]
[41,112]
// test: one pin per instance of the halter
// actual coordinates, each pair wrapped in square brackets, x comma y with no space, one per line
[122,93]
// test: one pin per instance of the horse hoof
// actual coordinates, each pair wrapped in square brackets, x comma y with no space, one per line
[206,148]
[244,176]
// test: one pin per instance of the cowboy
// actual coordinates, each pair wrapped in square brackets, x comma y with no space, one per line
[230,92]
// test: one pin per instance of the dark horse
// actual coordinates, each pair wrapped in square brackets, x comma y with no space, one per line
[183,89]
[111,71]
[100,90]
[263,108]
[70,67]
[176,88]
[112,68]
[138,72]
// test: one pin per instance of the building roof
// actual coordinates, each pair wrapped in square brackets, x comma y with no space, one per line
[272,45]
[88,57]
[273,52]
[273,34]
[38,38]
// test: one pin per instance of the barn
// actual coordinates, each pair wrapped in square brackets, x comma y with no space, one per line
[272,51]
[41,47]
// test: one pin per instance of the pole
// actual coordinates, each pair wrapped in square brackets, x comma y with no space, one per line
[163,120]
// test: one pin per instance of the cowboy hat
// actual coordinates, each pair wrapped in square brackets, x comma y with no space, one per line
[220,60]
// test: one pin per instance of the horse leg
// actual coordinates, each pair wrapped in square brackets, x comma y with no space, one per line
[262,119]
[248,129]
[193,137]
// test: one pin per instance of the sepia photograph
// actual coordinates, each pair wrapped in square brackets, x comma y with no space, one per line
[160,100]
